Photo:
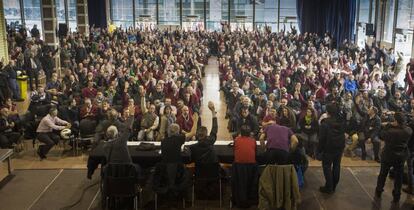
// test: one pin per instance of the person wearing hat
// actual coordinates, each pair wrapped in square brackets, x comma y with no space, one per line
[396,136]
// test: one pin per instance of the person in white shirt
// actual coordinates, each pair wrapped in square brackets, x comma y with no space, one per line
[45,131]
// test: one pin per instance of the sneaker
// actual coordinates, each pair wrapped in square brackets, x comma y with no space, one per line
[377,160]
[325,190]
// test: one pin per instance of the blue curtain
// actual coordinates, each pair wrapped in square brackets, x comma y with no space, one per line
[97,13]
[334,16]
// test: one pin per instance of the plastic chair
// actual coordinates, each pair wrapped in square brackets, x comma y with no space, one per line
[207,172]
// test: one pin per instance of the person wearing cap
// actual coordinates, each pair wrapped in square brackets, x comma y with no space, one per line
[396,136]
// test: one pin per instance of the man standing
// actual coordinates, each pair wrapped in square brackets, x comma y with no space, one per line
[45,133]
[279,140]
[330,148]
[396,136]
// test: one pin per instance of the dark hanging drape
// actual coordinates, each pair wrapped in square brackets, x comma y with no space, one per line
[97,13]
[334,16]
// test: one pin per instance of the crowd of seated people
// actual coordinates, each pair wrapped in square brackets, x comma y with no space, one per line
[289,79]
[152,83]
[267,77]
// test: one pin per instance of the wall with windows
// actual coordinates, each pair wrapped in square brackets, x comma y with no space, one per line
[205,14]
[27,13]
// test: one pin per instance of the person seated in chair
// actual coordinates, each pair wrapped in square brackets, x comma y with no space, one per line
[7,136]
[245,146]
[149,122]
[45,133]
[171,146]
[203,151]
[116,148]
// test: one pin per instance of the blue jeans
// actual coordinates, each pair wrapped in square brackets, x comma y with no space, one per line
[14,87]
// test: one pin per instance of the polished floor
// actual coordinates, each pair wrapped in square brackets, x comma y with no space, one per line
[58,188]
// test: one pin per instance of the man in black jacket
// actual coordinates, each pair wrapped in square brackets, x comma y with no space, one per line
[203,151]
[246,118]
[410,159]
[171,146]
[7,136]
[396,137]
[372,129]
[331,146]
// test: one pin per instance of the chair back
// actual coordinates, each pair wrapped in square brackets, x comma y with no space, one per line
[207,171]
[120,180]
[87,128]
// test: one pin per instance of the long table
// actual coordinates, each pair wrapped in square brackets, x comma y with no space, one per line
[149,158]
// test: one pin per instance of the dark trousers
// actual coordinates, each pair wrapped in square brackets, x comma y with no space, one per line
[276,156]
[398,169]
[376,144]
[410,165]
[331,165]
[33,75]
[14,87]
[7,139]
[49,140]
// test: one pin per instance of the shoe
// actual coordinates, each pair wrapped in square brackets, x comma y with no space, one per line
[325,190]
[377,160]
[408,190]
[42,156]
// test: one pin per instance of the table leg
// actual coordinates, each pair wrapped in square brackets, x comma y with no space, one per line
[9,165]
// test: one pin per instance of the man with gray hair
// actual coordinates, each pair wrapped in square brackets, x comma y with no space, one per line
[116,148]
[171,146]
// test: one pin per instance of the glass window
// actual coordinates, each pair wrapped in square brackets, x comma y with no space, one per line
[404,30]
[146,12]
[241,14]
[72,15]
[32,14]
[12,11]
[389,20]
[374,11]
[122,13]
[288,15]
[60,11]
[169,12]
[217,12]
[266,14]
[405,19]
[364,11]
[193,14]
